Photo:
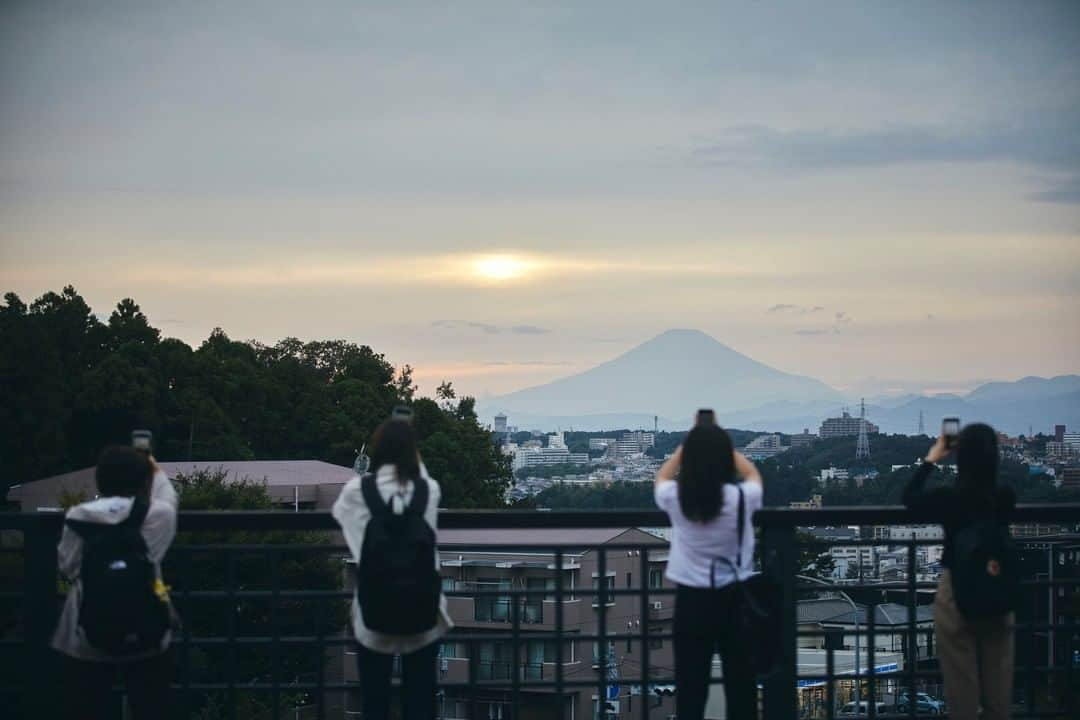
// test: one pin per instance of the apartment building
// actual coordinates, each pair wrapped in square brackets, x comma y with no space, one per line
[468,566]
[843,426]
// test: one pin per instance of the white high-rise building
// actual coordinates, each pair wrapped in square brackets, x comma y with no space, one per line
[557,440]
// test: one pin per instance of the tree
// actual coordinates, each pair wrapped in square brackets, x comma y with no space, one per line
[317,569]
[70,385]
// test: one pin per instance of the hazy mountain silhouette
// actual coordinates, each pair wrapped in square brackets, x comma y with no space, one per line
[679,371]
[671,376]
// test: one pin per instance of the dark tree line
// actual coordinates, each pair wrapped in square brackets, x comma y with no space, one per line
[71,383]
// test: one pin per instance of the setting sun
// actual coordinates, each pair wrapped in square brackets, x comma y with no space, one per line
[500,268]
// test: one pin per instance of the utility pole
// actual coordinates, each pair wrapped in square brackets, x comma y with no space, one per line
[922,425]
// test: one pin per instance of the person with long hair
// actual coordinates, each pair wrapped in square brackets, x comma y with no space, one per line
[976,654]
[699,490]
[399,475]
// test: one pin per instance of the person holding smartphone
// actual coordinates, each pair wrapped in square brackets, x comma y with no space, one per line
[698,487]
[975,649]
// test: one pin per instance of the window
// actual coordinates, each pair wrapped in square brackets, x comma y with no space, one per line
[452,649]
[493,608]
[655,643]
[494,661]
[609,584]
[656,578]
[448,584]
[532,606]
[629,581]
[596,651]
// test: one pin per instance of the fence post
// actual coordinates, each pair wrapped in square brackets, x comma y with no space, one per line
[40,538]
[781,560]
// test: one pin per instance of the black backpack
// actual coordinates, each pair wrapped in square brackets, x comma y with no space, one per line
[397,585]
[120,613]
[984,569]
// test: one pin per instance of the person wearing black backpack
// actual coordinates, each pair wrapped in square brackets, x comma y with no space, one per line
[116,619]
[698,487]
[978,588]
[389,518]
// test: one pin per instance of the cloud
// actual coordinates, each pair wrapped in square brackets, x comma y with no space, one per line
[489,329]
[842,318]
[1051,145]
[800,309]
[812,331]
[528,363]
[529,330]
[485,328]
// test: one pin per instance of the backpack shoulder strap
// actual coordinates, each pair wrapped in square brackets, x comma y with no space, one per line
[372,497]
[89,530]
[418,504]
[741,524]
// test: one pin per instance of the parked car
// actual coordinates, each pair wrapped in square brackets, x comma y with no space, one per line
[862,709]
[924,704]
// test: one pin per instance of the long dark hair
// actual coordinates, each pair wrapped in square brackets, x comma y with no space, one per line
[977,463]
[394,443]
[708,463]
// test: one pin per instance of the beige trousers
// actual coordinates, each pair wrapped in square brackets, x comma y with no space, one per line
[976,658]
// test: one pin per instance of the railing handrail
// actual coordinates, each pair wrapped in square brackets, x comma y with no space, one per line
[556,519]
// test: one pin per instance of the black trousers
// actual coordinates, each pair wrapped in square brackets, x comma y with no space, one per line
[88,688]
[418,679]
[703,619]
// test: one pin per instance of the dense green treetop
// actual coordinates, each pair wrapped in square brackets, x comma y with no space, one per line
[71,384]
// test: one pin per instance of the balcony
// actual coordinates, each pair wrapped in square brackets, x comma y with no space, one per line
[254,668]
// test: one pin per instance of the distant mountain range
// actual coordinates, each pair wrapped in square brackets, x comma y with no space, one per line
[675,373]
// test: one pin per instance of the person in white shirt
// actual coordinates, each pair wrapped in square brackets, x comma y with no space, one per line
[397,468]
[124,476]
[697,487]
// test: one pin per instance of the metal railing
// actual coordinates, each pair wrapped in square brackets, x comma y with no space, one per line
[259,652]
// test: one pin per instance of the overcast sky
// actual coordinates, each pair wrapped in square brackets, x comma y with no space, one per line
[503,193]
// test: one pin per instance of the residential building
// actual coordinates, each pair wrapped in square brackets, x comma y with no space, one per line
[763,446]
[500,424]
[498,569]
[803,439]
[844,426]
[1070,478]
[832,474]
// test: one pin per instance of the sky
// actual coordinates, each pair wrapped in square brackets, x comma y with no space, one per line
[882,196]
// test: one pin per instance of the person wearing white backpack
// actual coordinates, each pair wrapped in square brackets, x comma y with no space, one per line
[699,490]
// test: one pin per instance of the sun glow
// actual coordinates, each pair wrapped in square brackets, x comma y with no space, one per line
[500,268]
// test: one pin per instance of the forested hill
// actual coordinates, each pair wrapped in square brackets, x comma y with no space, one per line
[71,384]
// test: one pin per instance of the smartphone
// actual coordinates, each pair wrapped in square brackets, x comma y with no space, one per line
[950,430]
[705,416]
[402,412]
[142,440]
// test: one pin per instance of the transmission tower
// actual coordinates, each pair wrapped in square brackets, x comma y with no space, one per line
[922,425]
[862,447]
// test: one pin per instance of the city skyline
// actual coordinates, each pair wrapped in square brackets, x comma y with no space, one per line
[504,197]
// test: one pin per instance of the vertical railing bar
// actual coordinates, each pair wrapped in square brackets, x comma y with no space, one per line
[230,648]
[473,673]
[515,645]
[913,638]
[40,604]
[320,679]
[781,685]
[1030,699]
[185,631]
[871,661]
[601,601]
[559,600]
[830,689]
[275,647]
[644,695]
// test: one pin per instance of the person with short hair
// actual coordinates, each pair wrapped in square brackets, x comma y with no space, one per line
[128,482]
[698,487]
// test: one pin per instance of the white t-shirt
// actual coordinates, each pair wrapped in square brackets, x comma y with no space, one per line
[694,545]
